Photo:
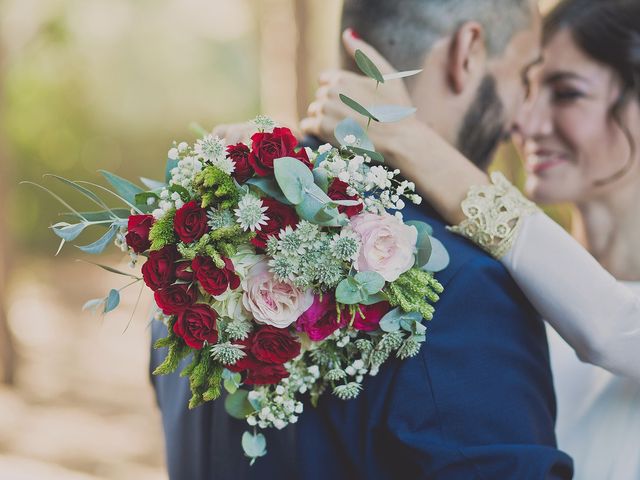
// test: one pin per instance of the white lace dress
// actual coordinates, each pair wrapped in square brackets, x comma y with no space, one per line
[598,320]
[594,327]
[598,415]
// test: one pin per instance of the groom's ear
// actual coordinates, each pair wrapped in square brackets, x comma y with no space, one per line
[466,61]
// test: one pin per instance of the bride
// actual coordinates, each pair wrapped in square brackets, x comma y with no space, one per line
[580,136]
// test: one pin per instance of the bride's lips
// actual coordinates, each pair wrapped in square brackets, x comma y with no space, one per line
[542,160]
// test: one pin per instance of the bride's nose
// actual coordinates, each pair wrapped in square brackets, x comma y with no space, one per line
[534,118]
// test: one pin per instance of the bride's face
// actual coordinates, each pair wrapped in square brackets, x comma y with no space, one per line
[572,146]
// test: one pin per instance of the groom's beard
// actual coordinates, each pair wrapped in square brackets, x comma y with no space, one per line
[483,125]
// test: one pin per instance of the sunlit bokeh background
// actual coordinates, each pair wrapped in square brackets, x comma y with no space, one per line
[109,84]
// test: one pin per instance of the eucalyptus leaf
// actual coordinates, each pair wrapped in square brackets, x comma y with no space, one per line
[100,216]
[123,187]
[397,75]
[422,227]
[152,184]
[57,197]
[293,178]
[180,190]
[231,380]
[373,299]
[371,282]
[349,126]
[391,113]
[254,446]
[412,322]
[237,405]
[112,270]
[122,199]
[319,159]
[269,187]
[348,292]
[321,178]
[346,203]
[366,66]
[171,164]
[142,198]
[351,103]
[375,156]
[83,190]
[99,245]
[112,300]
[424,250]
[391,321]
[439,259]
[68,231]
[93,304]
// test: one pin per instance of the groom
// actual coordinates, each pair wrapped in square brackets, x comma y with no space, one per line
[477,402]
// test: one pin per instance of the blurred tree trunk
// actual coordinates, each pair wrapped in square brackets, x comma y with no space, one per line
[277,44]
[7,350]
[303,56]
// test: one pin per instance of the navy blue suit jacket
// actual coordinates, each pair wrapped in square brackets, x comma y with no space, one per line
[476,403]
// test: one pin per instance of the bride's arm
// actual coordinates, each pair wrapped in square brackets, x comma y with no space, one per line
[598,316]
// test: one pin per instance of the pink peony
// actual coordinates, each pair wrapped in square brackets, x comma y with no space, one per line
[321,319]
[388,245]
[272,302]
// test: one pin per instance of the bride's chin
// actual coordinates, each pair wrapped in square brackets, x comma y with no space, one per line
[544,191]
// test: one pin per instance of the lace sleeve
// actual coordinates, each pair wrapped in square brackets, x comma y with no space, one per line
[494,214]
[598,316]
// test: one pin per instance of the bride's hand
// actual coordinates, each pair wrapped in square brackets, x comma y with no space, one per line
[327,110]
[441,173]
[235,132]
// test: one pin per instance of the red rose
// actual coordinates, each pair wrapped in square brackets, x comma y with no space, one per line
[138,232]
[184,271]
[175,298]
[321,319]
[265,374]
[372,316]
[190,222]
[196,325]
[246,362]
[159,271]
[255,371]
[214,280]
[279,217]
[239,154]
[338,191]
[274,345]
[266,147]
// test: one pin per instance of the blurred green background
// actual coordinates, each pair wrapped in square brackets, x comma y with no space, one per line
[89,84]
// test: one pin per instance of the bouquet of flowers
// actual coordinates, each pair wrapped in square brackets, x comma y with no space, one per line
[279,270]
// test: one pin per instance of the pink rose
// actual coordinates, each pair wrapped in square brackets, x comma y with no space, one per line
[321,319]
[388,245]
[271,302]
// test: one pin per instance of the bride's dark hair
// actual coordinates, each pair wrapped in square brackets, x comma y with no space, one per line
[609,32]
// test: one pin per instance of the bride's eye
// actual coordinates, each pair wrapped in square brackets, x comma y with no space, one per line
[566,95]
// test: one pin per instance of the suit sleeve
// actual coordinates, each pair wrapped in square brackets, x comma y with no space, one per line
[478,401]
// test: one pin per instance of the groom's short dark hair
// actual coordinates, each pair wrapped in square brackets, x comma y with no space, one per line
[405,30]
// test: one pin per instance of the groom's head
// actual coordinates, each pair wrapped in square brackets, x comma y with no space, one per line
[475,55]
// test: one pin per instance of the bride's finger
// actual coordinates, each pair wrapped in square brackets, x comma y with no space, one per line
[352,43]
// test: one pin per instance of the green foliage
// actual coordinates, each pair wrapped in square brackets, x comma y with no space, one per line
[293,178]
[413,291]
[366,66]
[205,378]
[216,188]
[237,404]
[162,232]
[351,103]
